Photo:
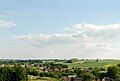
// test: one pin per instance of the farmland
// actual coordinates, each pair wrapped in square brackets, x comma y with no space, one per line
[92,63]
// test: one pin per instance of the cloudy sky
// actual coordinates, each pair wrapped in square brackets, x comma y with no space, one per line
[59,29]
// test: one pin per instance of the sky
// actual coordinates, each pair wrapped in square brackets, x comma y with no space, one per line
[42,29]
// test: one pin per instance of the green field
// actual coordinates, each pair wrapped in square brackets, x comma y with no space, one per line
[92,63]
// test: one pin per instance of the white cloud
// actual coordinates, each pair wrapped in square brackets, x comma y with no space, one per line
[63,39]
[83,40]
[46,38]
[102,31]
[93,27]
[7,24]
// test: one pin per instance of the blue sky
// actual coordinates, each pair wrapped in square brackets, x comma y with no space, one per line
[41,28]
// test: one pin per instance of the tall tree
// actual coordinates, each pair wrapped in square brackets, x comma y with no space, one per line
[113,72]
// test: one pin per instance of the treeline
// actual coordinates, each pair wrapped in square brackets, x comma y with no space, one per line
[15,73]
[53,65]
[20,61]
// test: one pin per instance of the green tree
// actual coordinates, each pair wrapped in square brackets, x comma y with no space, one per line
[118,65]
[88,77]
[79,72]
[16,73]
[96,71]
[113,72]
[72,60]
[20,73]
[101,75]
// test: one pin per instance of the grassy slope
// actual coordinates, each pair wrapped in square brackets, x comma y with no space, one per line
[92,63]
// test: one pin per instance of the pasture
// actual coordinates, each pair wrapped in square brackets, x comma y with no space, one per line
[92,63]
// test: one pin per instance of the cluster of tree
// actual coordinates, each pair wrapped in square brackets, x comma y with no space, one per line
[29,61]
[112,72]
[16,73]
[71,60]
[53,65]
[11,61]
[52,74]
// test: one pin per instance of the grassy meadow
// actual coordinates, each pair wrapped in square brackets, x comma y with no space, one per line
[92,63]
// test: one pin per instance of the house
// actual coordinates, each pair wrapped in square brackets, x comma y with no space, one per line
[78,79]
[103,71]
[65,78]
[30,77]
[72,76]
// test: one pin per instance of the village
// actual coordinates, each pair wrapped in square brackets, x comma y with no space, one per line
[54,70]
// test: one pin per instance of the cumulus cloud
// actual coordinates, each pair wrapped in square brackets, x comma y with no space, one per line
[93,27]
[7,24]
[101,31]
[83,39]
[56,39]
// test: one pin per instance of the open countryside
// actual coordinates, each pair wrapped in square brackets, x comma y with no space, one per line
[62,70]
[92,63]
[59,40]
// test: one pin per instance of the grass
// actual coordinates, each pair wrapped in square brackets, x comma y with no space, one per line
[92,63]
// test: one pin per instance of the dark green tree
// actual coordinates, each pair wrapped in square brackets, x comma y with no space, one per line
[96,71]
[88,77]
[113,72]
[16,73]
